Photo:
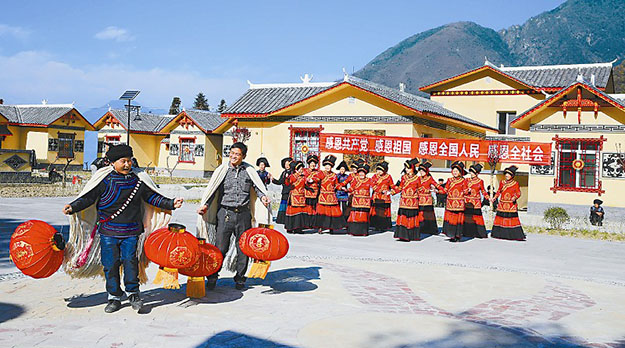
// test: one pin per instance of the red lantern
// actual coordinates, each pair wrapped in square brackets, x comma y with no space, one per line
[264,244]
[33,249]
[172,247]
[209,262]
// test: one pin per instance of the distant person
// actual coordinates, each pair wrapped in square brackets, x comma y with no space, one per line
[597,213]
[262,163]
[441,197]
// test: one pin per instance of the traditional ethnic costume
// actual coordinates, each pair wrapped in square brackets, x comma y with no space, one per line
[263,174]
[473,219]
[312,189]
[281,218]
[343,196]
[297,212]
[353,175]
[456,188]
[123,210]
[507,224]
[381,201]
[407,226]
[427,217]
[328,213]
[358,221]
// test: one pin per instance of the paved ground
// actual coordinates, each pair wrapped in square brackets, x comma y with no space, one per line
[340,291]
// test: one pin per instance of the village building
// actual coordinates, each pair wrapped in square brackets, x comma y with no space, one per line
[286,119]
[529,103]
[188,144]
[40,135]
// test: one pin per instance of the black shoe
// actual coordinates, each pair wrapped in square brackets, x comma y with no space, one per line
[113,306]
[239,285]
[210,284]
[135,302]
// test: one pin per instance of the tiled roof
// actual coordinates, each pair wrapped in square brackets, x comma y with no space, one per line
[268,99]
[410,100]
[265,100]
[558,76]
[148,122]
[34,114]
[209,121]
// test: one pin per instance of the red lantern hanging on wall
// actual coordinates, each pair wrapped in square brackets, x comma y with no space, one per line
[263,245]
[35,250]
[209,262]
[171,248]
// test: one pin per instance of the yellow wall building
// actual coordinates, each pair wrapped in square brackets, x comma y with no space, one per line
[188,144]
[52,133]
[284,117]
[503,97]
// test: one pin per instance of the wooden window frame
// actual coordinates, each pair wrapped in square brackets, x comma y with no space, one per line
[578,153]
[191,151]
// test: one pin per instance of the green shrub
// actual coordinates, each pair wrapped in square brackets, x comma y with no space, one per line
[556,217]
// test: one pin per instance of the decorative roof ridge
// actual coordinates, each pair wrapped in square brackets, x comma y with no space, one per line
[559,66]
[289,85]
[42,105]
[404,93]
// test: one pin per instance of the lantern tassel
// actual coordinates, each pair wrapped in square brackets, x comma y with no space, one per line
[167,276]
[196,287]
[259,269]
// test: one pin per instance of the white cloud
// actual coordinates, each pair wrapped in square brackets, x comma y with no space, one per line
[114,33]
[16,32]
[36,75]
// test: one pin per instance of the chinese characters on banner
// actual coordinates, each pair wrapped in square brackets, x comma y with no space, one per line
[433,148]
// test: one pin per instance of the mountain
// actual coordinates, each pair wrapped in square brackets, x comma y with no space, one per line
[578,31]
[436,54]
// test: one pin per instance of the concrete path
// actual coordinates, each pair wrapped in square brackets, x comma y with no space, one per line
[340,291]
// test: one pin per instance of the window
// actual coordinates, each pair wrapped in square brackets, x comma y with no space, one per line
[503,122]
[578,165]
[304,142]
[187,150]
[110,140]
[66,145]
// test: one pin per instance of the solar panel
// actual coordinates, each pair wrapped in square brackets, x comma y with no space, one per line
[129,95]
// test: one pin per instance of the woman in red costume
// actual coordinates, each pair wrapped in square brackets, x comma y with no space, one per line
[296,211]
[381,199]
[312,188]
[456,188]
[360,188]
[473,219]
[507,224]
[407,227]
[427,217]
[329,215]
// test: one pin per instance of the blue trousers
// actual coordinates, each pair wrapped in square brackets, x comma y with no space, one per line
[118,251]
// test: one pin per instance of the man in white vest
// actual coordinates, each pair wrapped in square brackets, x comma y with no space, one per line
[228,208]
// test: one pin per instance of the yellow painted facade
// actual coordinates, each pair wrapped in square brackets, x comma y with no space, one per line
[272,139]
[28,137]
[462,95]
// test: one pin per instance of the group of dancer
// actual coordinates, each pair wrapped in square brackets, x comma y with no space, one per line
[320,199]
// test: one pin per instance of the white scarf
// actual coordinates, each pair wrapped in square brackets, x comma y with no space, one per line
[82,223]
[207,223]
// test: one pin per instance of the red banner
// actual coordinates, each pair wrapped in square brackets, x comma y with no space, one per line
[435,148]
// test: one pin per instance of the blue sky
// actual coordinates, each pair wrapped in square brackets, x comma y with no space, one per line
[90,52]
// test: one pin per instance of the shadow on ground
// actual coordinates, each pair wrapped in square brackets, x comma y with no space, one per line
[232,339]
[481,336]
[7,226]
[10,311]
[288,280]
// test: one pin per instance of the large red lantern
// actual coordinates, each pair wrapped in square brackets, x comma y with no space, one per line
[209,262]
[171,248]
[264,244]
[34,249]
